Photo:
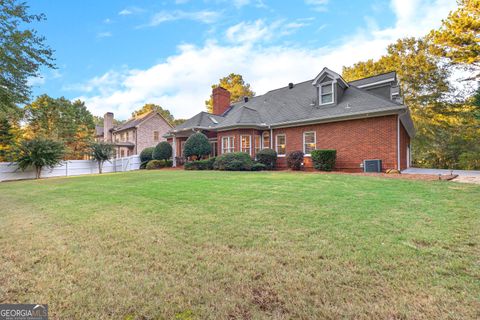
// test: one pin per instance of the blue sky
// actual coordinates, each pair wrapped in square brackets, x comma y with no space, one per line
[118,55]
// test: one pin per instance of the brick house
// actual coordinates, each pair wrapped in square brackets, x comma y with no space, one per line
[138,133]
[363,119]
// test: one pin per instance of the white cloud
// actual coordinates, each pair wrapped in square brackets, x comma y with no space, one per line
[182,81]
[105,34]
[259,30]
[204,16]
[318,5]
[130,10]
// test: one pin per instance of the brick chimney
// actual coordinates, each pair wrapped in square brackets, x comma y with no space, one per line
[107,126]
[221,100]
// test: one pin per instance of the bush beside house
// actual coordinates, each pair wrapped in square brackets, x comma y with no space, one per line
[197,146]
[163,151]
[324,159]
[295,160]
[267,157]
[158,164]
[235,161]
[206,164]
[145,156]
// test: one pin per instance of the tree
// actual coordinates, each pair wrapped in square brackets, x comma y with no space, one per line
[154,107]
[163,151]
[22,53]
[237,87]
[8,139]
[101,152]
[39,153]
[458,38]
[61,120]
[197,145]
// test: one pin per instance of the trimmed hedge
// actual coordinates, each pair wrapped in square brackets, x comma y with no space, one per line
[163,151]
[295,160]
[206,164]
[267,157]
[324,159]
[236,161]
[145,156]
[258,167]
[197,145]
[158,164]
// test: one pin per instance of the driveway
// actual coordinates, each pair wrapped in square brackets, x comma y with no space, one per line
[468,176]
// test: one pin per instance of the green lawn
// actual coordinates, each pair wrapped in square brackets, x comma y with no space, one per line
[184,244]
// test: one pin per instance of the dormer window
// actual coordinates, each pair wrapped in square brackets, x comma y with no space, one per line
[326,93]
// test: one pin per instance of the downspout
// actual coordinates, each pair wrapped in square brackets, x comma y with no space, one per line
[271,137]
[174,147]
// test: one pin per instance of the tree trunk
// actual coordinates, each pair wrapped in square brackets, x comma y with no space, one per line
[100,165]
[38,171]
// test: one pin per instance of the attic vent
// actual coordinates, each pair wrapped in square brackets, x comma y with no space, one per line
[290,85]
[245,99]
[213,120]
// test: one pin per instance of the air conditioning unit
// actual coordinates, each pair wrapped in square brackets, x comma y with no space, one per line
[374,165]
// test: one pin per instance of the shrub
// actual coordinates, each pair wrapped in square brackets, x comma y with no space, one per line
[168,163]
[324,159]
[295,160]
[146,154]
[155,164]
[40,153]
[206,164]
[236,161]
[258,167]
[163,151]
[268,157]
[197,145]
[101,152]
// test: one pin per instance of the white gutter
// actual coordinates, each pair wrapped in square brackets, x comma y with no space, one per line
[376,83]
[398,142]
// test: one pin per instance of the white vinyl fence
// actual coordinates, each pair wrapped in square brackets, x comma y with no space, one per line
[10,171]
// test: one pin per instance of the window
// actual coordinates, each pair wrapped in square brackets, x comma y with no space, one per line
[228,144]
[280,144]
[246,144]
[122,136]
[266,140]
[309,142]
[128,134]
[258,144]
[155,135]
[182,147]
[122,153]
[326,93]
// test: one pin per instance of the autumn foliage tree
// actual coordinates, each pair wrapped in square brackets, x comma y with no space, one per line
[237,87]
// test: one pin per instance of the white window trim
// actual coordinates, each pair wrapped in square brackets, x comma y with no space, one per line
[314,141]
[320,93]
[255,147]
[263,139]
[276,144]
[250,143]
[230,148]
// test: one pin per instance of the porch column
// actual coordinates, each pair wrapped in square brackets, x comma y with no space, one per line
[174,153]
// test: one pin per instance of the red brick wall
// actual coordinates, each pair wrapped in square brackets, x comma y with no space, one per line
[354,140]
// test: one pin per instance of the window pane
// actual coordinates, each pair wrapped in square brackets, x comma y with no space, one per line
[309,137]
[281,144]
[327,88]
[257,142]
[245,144]
[266,140]
[327,98]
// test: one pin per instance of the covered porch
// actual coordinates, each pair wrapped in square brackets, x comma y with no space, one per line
[178,139]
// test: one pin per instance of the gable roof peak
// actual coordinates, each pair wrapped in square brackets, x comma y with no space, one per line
[331,74]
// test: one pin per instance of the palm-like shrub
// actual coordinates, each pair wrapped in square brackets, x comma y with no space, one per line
[101,152]
[39,153]
[197,145]
[163,151]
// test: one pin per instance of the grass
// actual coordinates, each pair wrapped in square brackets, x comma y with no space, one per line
[199,245]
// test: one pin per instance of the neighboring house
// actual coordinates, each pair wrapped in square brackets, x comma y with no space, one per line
[136,134]
[362,120]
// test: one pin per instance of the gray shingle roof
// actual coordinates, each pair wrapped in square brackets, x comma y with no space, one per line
[200,120]
[373,79]
[285,106]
